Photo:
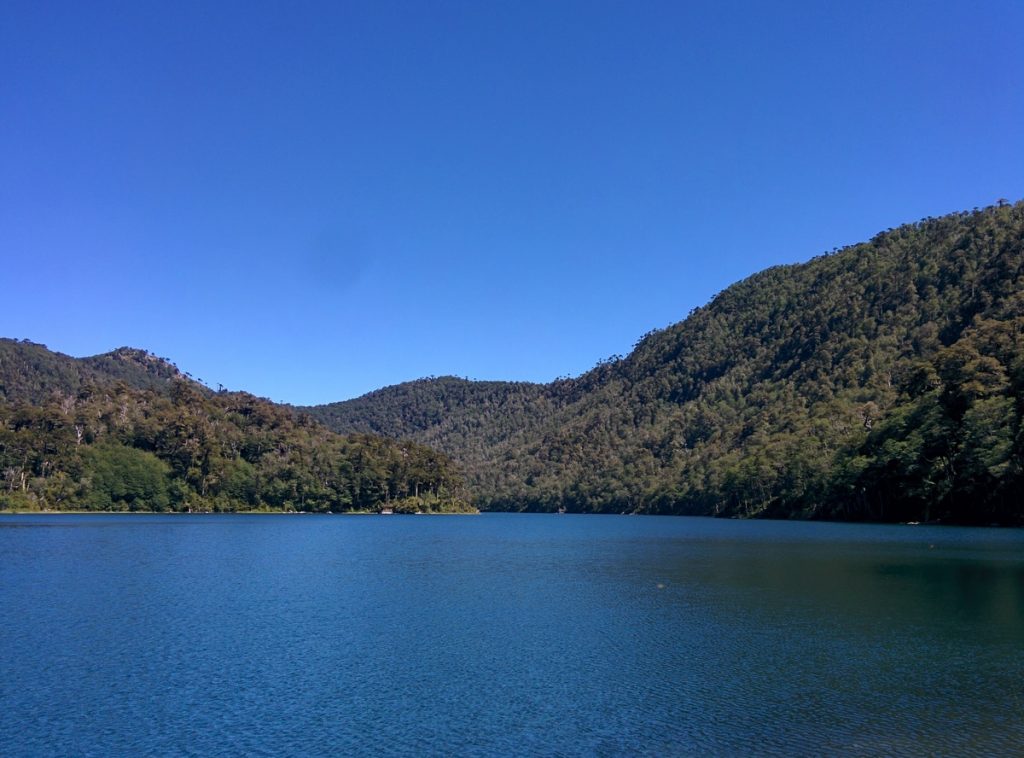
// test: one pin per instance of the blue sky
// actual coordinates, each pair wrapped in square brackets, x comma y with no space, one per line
[312,200]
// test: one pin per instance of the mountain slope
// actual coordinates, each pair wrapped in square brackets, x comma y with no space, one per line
[31,373]
[881,382]
[127,431]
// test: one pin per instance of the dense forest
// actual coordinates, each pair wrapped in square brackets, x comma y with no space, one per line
[883,381]
[128,431]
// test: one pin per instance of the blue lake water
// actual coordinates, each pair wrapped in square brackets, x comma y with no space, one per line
[506,634]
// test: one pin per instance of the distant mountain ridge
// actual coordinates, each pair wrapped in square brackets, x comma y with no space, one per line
[30,372]
[880,382]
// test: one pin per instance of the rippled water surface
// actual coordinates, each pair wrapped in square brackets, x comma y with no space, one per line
[506,634]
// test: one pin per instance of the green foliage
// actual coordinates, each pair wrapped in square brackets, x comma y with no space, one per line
[120,478]
[31,373]
[109,446]
[881,382]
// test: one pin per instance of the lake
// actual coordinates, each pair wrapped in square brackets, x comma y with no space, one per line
[507,634]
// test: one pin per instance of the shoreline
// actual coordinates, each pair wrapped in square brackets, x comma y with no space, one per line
[15,512]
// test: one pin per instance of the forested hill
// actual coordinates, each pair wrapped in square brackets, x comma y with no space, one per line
[882,382]
[29,372]
[127,431]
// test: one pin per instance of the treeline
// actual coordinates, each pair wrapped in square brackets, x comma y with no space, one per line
[881,382]
[109,446]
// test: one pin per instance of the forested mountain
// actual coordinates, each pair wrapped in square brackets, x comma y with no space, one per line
[31,373]
[884,382]
[127,431]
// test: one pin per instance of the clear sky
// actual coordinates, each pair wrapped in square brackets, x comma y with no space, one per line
[312,200]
